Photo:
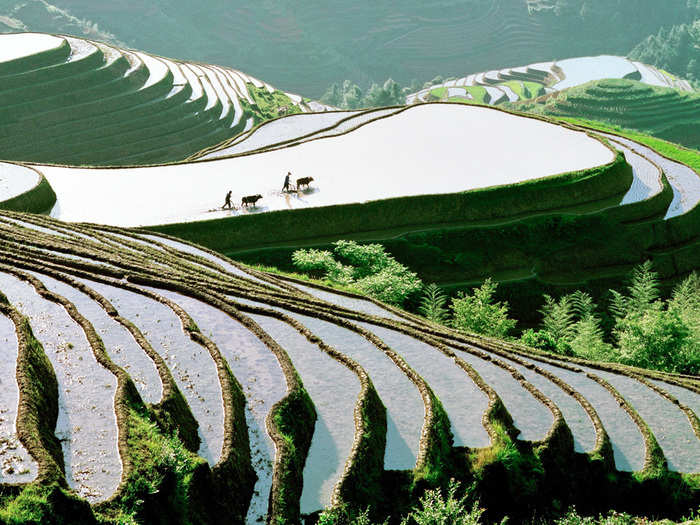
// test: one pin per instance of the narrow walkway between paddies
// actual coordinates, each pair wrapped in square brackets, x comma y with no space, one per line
[279,130]
[87,423]
[687,397]
[352,303]
[463,401]
[32,226]
[192,367]
[16,465]
[575,415]
[120,345]
[668,423]
[684,181]
[183,247]
[257,369]
[334,389]
[626,439]
[530,415]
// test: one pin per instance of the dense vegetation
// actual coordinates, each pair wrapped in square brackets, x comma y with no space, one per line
[305,48]
[675,49]
[646,331]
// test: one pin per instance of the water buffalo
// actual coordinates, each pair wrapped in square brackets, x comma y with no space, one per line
[250,199]
[304,181]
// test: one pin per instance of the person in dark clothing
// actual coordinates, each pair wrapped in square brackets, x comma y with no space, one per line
[286,186]
[227,201]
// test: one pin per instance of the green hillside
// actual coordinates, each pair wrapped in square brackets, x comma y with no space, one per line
[305,47]
[83,102]
[662,112]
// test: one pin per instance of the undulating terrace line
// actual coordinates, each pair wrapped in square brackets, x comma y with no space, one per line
[670,426]
[464,402]
[405,408]
[578,419]
[190,363]
[335,393]
[600,436]
[82,426]
[16,464]
[647,175]
[263,382]
[366,397]
[684,181]
[119,343]
[285,492]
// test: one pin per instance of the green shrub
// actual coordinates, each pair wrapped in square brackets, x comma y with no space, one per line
[367,268]
[478,313]
[436,509]
[614,518]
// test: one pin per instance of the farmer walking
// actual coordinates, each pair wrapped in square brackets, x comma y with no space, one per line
[286,186]
[227,201]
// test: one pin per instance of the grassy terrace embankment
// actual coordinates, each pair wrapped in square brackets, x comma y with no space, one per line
[658,111]
[555,431]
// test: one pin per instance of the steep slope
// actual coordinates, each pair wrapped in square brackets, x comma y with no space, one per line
[74,101]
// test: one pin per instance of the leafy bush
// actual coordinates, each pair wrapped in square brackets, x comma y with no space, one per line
[432,304]
[648,332]
[570,327]
[367,268]
[613,518]
[478,313]
[436,509]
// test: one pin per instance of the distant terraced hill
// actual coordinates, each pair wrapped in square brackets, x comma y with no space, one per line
[72,101]
[149,380]
[535,80]
[662,112]
[306,47]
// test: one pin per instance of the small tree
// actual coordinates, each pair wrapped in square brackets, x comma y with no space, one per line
[479,313]
[432,304]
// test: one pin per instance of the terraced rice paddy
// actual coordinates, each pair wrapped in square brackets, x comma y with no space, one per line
[142,372]
[240,345]
[85,102]
[524,83]
[430,148]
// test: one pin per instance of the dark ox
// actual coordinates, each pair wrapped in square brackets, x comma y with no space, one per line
[304,181]
[250,199]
